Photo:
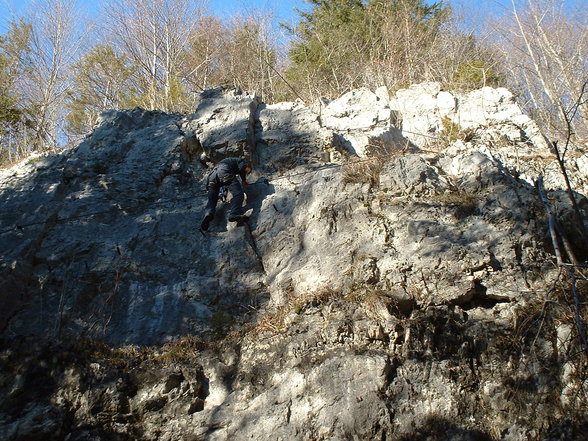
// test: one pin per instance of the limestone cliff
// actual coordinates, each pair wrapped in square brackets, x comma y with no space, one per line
[396,279]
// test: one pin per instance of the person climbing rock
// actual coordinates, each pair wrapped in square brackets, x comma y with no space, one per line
[226,174]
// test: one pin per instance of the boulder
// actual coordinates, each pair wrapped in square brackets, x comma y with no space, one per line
[364,120]
[223,123]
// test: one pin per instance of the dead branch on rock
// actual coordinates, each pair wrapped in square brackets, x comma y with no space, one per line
[568,116]
[556,231]
[557,234]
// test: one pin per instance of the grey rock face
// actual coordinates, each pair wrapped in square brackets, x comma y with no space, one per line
[289,135]
[423,107]
[409,304]
[366,122]
[124,208]
[222,122]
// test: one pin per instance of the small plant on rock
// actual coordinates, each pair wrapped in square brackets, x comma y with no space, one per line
[120,357]
[275,322]
[182,349]
[464,202]
[368,170]
[451,132]
[363,172]
[221,323]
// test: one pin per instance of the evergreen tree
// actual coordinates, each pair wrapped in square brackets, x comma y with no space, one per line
[103,80]
[342,44]
[14,117]
[330,40]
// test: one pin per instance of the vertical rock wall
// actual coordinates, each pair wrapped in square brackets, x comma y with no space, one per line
[387,285]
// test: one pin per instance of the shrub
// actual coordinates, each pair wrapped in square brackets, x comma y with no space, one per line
[465,202]
[452,131]
[475,74]
[221,323]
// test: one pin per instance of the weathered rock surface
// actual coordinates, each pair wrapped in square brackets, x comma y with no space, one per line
[385,287]
[365,121]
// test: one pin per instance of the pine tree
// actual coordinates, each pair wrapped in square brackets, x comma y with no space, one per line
[343,44]
[14,116]
[103,80]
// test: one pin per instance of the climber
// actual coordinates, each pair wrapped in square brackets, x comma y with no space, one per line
[225,175]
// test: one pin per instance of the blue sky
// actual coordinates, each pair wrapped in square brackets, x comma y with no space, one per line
[283,10]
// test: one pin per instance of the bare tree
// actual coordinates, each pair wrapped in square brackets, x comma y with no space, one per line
[249,57]
[55,44]
[102,79]
[155,34]
[544,46]
[201,68]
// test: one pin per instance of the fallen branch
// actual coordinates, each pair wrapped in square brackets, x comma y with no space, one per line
[552,221]
[579,218]
[568,116]
[557,233]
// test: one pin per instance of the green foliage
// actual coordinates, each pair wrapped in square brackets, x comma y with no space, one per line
[324,52]
[221,322]
[452,131]
[474,74]
[15,120]
[177,94]
[8,76]
[10,114]
[103,80]
[342,43]
[326,27]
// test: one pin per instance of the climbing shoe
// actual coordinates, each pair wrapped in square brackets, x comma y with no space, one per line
[239,219]
[206,222]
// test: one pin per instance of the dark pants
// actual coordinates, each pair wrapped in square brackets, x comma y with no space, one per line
[237,193]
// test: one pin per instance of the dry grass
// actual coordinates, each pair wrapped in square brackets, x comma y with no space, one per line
[363,171]
[275,322]
[464,202]
[180,350]
[367,170]
[120,357]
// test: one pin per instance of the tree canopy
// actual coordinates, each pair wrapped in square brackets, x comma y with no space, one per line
[58,73]
[347,43]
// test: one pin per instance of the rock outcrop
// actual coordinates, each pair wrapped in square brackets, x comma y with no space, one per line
[395,280]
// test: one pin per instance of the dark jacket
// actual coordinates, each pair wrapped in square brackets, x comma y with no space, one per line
[227,169]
